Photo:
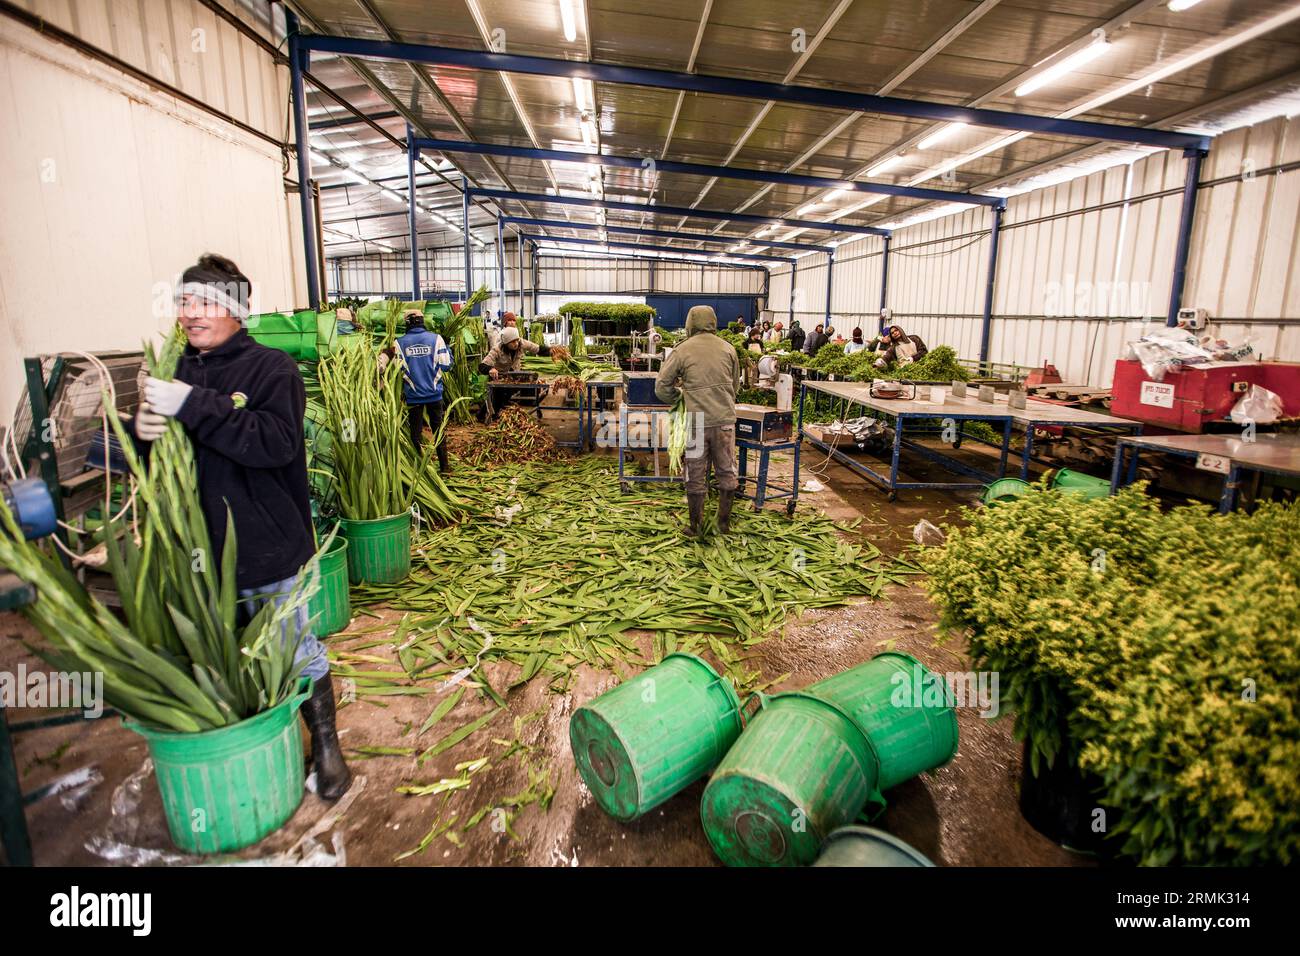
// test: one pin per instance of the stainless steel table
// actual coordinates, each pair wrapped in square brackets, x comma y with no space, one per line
[1227,455]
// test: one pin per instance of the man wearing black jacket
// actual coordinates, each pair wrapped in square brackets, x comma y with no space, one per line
[242,405]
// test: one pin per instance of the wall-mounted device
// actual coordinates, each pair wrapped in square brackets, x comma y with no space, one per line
[1193,319]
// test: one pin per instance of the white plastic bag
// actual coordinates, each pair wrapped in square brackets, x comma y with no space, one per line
[1258,405]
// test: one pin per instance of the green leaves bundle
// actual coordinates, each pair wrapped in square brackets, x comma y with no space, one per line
[179,662]
[366,417]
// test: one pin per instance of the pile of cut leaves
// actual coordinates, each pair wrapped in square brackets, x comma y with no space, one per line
[514,438]
[559,569]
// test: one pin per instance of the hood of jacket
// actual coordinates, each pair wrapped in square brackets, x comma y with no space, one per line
[701,318]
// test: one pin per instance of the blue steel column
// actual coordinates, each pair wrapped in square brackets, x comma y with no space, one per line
[830,270]
[884,274]
[794,275]
[412,153]
[469,275]
[536,279]
[299,61]
[501,266]
[1190,184]
[519,255]
[986,328]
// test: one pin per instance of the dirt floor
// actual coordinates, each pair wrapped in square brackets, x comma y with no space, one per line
[962,814]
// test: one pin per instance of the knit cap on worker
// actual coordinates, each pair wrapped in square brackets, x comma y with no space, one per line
[217,280]
[701,318]
[508,335]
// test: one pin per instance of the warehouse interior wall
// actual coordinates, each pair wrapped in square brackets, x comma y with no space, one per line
[113,185]
[1086,265]
[442,273]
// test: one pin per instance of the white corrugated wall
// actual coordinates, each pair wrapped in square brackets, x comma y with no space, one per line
[113,186]
[1081,271]
[444,270]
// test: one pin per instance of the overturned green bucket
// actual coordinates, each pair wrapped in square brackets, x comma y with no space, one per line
[1004,488]
[330,608]
[904,708]
[227,788]
[801,769]
[651,737]
[1077,483]
[867,846]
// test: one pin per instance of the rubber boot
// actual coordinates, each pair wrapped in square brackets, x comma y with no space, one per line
[332,775]
[443,466]
[695,503]
[725,499]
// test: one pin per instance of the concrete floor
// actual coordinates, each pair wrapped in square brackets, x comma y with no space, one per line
[962,814]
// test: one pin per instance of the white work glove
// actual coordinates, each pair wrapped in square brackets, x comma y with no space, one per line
[906,361]
[165,398]
[880,363]
[149,426]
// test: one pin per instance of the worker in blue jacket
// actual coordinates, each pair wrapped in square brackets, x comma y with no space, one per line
[426,358]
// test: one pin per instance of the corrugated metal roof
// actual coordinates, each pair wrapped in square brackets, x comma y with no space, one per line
[908,48]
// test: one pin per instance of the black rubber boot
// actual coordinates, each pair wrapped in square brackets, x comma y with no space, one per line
[443,465]
[332,775]
[725,498]
[695,503]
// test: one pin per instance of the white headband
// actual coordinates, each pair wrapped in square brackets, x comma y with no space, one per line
[213,292]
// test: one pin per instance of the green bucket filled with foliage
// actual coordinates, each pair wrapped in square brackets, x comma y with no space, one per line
[175,659]
[227,788]
[654,735]
[331,606]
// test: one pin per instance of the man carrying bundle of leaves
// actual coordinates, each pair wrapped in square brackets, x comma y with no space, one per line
[705,372]
[242,405]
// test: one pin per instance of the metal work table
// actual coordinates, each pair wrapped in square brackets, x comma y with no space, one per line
[761,484]
[654,415]
[1037,413]
[961,410]
[1227,455]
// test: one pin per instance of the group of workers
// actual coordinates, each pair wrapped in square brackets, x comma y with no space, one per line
[242,405]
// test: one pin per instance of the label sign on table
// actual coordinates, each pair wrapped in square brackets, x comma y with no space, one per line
[1157,393]
[1215,463]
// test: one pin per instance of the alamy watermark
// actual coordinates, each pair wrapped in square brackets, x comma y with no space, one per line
[83,691]
[918,687]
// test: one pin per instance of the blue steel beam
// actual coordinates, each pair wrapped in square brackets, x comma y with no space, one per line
[751,89]
[986,325]
[353,120]
[704,237]
[699,169]
[653,259]
[677,211]
[637,245]
[412,156]
[1190,183]
[300,62]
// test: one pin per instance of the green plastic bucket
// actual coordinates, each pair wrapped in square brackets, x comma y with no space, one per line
[867,846]
[891,697]
[331,607]
[227,788]
[1076,482]
[379,549]
[1004,488]
[801,769]
[653,736]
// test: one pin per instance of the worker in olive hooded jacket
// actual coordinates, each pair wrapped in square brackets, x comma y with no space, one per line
[705,371]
